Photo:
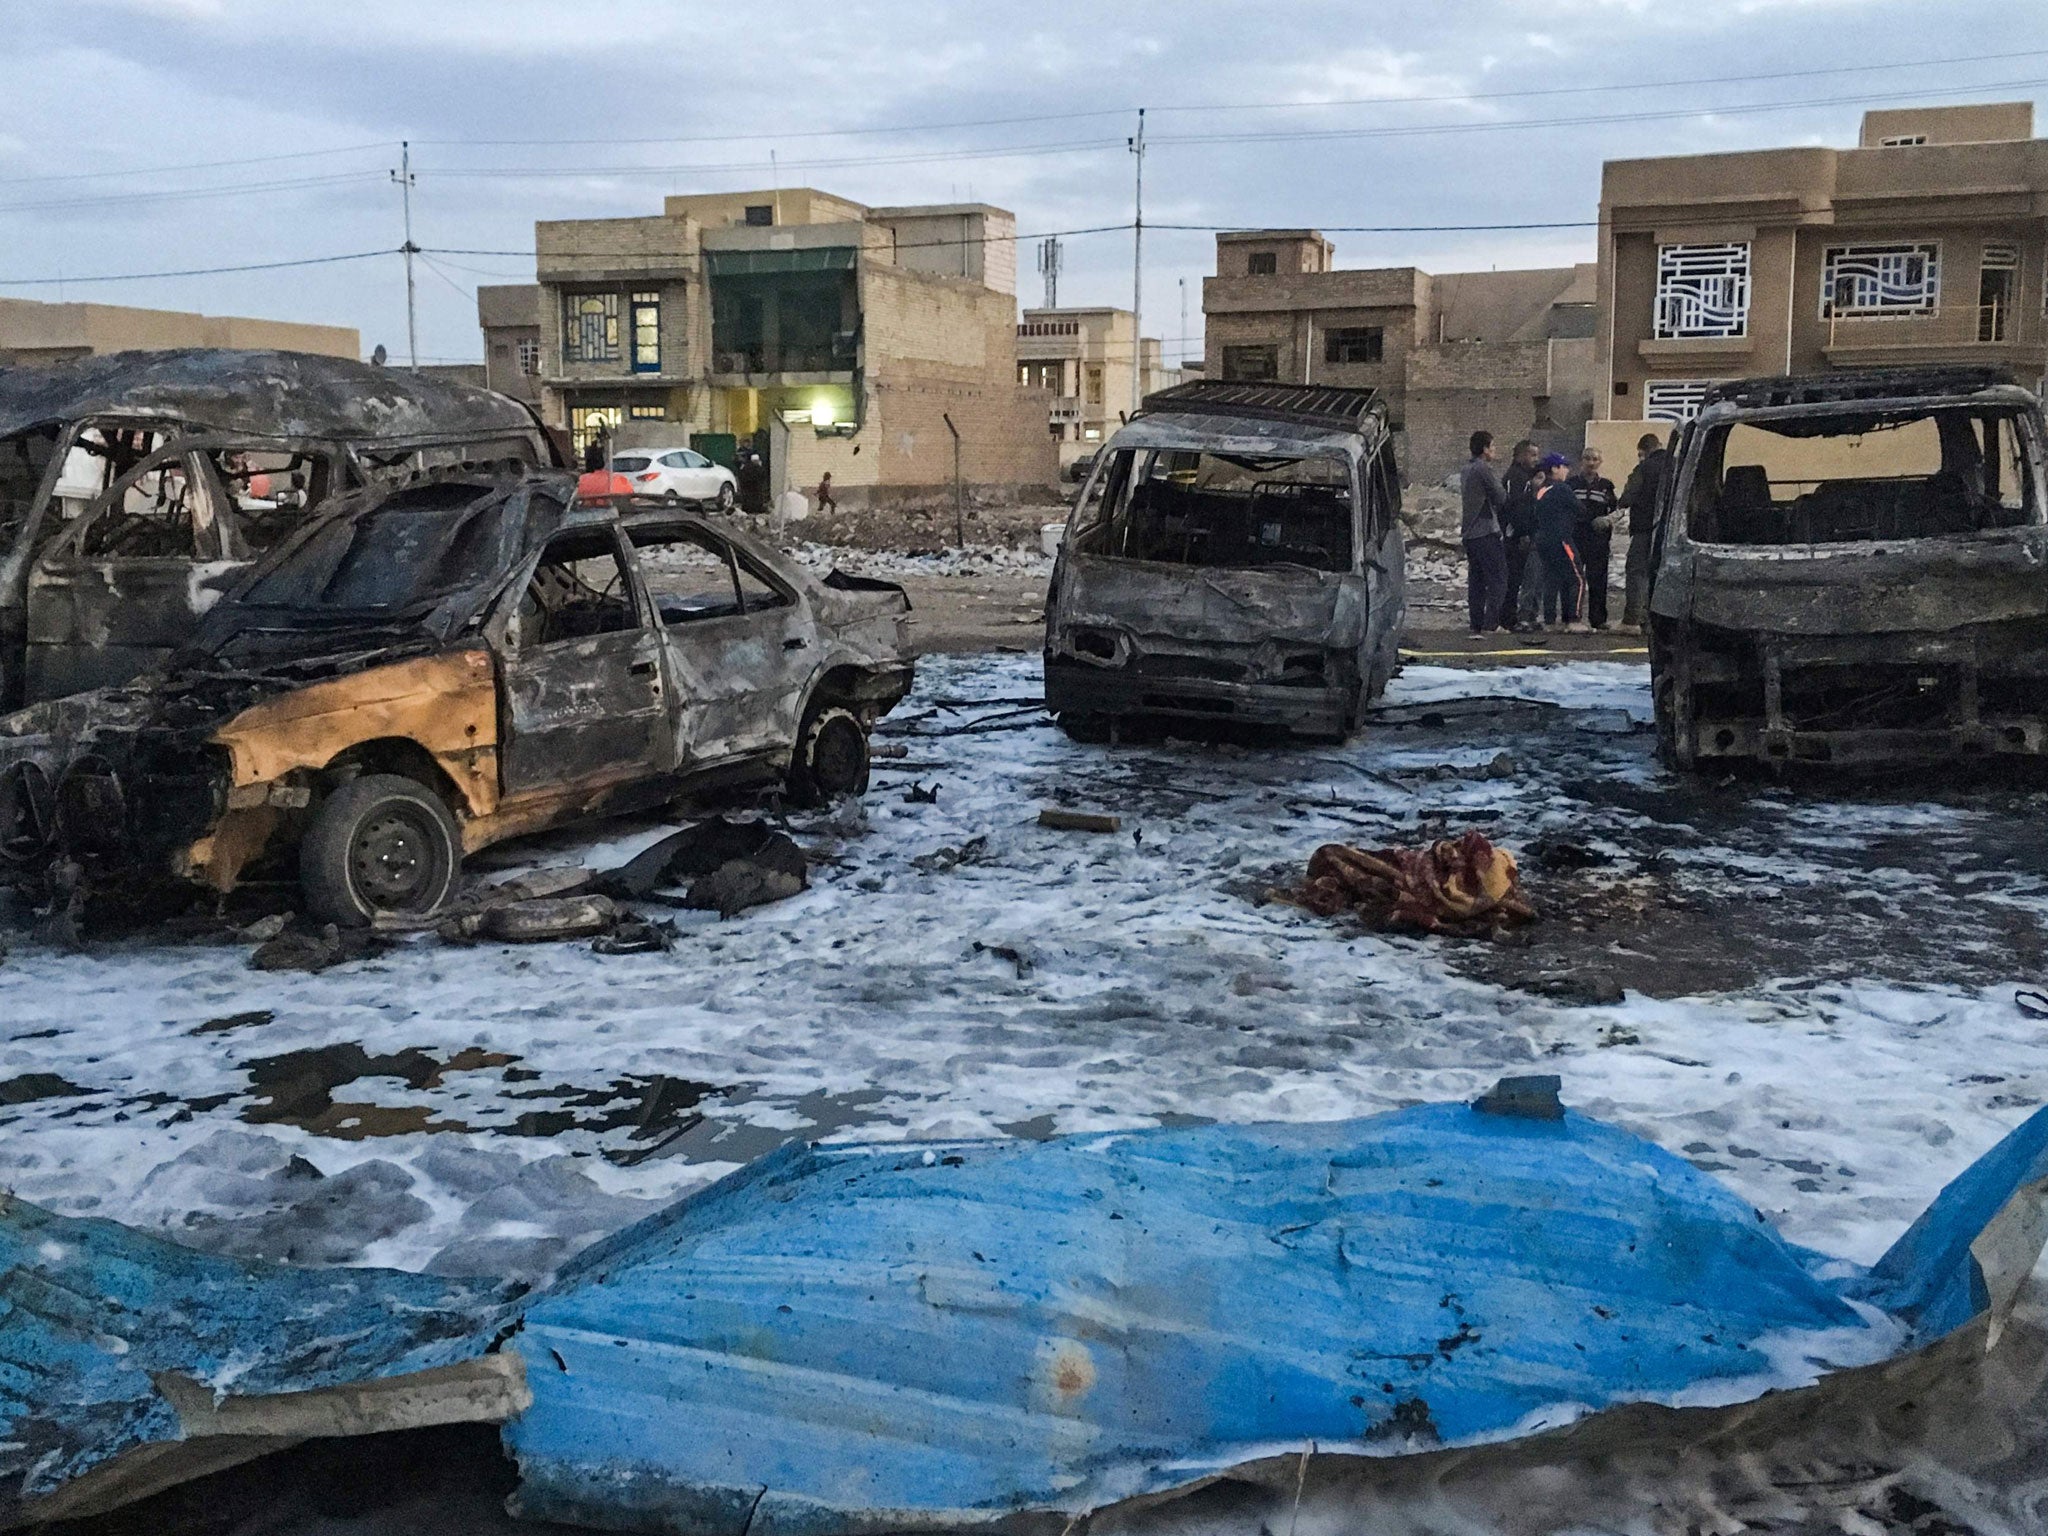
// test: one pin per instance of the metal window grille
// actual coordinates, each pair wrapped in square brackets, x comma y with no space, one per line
[590,327]
[647,413]
[1702,290]
[1674,399]
[1901,140]
[529,355]
[647,333]
[1262,263]
[2001,256]
[1354,344]
[1252,364]
[1902,279]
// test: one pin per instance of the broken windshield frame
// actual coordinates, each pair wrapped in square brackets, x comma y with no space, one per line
[1191,506]
[1842,477]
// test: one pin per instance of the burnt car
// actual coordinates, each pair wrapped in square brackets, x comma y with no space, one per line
[1235,556]
[137,487]
[419,674]
[1852,570]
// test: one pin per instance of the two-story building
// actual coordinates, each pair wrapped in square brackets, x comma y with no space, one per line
[1925,243]
[1511,352]
[829,335]
[1084,357]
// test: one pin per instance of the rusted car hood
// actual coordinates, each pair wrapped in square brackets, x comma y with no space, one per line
[1852,589]
[269,394]
[1211,606]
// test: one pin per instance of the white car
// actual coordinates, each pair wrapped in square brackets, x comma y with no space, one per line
[678,474]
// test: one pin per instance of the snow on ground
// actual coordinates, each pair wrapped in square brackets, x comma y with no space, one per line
[956,970]
[895,564]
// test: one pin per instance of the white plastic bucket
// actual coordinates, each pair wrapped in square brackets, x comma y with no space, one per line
[1051,536]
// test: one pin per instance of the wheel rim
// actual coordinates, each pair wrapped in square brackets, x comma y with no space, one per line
[395,860]
[838,756]
[725,498]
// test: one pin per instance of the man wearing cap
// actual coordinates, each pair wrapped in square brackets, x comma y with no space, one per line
[1557,516]
[1640,496]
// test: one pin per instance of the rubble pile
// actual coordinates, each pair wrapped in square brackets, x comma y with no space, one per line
[1461,886]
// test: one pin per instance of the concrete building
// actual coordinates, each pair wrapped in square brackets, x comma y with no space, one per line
[32,332]
[835,337]
[1512,352]
[1084,358]
[1925,243]
[509,315]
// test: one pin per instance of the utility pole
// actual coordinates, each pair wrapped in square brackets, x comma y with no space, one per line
[1137,143]
[1181,352]
[1049,267]
[403,176]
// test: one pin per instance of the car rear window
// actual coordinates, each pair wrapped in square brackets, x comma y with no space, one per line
[630,463]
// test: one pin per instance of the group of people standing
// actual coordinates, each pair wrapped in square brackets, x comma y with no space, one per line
[1537,538]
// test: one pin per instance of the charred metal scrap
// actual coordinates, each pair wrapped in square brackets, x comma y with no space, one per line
[419,673]
[1852,569]
[136,487]
[842,1339]
[1235,556]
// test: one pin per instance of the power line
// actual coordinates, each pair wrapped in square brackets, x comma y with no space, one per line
[136,277]
[913,157]
[174,194]
[196,165]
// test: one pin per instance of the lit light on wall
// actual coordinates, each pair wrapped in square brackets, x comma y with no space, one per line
[822,414]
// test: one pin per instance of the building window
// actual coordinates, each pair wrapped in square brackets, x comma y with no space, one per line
[1674,399]
[1900,279]
[1353,344]
[1094,386]
[528,348]
[647,333]
[590,327]
[1262,263]
[1702,290]
[647,413]
[1901,140]
[1251,364]
[1998,283]
[760,213]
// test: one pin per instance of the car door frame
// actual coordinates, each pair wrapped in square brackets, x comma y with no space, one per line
[560,725]
[739,680]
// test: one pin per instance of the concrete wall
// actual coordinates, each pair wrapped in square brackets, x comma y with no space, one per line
[31,331]
[792,205]
[1967,123]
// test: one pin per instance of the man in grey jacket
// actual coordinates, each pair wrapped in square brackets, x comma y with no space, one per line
[1486,561]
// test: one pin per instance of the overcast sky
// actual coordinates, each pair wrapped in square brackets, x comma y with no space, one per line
[119,111]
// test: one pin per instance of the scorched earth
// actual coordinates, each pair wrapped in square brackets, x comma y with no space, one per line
[1815,988]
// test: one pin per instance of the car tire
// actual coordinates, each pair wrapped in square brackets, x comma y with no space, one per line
[831,757]
[379,844]
[726,496]
[671,497]
[1094,730]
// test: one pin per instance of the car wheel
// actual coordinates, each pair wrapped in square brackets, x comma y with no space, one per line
[379,844]
[671,498]
[831,757]
[726,496]
[1092,729]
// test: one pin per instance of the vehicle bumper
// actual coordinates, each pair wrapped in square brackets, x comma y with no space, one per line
[1078,688]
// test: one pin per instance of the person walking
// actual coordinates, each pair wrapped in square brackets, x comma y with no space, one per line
[1639,497]
[825,501]
[1557,515]
[1519,532]
[1484,499]
[1593,534]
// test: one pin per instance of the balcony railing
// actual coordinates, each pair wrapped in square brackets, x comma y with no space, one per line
[840,356]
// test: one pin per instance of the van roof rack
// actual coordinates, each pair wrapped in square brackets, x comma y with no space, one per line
[1322,405]
[1859,384]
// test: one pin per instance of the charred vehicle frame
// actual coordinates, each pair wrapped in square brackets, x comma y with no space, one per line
[420,673]
[1235,556]
[1852,570]
[136,487]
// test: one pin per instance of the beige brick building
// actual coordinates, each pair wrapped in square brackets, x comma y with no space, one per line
[832,336]
[1511,352]
[1084,358]
[32,332]
[1928,242]
[509,315]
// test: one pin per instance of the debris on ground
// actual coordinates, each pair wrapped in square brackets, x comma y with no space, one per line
[729,865]
[636,936]
[1462,886]
[304,947]
[1560,854]
[1078,821]
[537,921]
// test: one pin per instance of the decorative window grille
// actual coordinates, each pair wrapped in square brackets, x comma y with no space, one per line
[2000,256]
[1674,399]
[1702,290]
[1901,140]
[647,333]
[1902,279]
[529,355]
[1354,344]
[1253,364]
[590,327]
[647,413]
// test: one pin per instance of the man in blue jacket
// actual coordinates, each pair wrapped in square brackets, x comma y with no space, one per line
[1557,516]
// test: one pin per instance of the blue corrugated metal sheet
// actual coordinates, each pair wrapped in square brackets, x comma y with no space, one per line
[90,1311]
[848,1339]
